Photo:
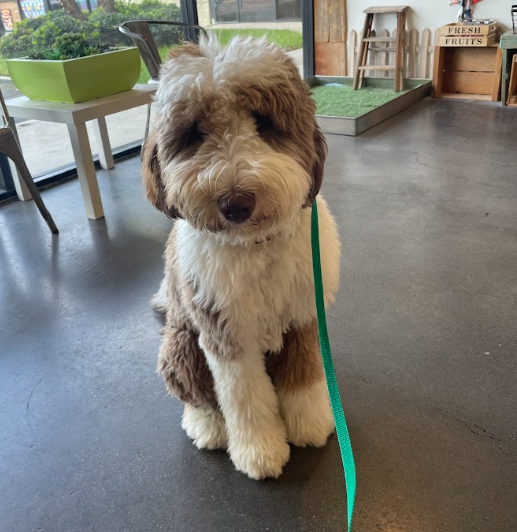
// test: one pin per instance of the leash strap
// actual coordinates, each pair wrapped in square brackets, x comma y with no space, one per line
[347,456]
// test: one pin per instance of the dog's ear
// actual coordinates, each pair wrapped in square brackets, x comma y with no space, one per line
[320,154]
[151,175]
[189,48]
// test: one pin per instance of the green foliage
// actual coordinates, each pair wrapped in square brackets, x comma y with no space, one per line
[36,35]
[32,35]
[70,46]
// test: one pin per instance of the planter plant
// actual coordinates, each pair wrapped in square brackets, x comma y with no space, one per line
[75,70]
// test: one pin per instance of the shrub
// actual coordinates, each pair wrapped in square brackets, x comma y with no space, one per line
[70,46]
[35,35]
[104,27]
[155,10]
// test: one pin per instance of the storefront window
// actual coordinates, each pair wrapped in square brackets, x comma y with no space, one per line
[46,146]
[288,10]
[33,8]
[252,11]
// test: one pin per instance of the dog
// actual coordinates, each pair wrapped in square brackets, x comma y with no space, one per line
[236,156]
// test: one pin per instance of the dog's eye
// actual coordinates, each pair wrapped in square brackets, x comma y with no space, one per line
[192,136]
[264,124]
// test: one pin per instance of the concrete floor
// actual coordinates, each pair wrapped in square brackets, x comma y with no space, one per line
[424,338]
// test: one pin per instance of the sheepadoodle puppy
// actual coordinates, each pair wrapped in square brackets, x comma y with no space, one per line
[236,156]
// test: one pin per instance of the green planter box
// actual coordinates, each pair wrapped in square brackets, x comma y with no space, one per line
[76,80]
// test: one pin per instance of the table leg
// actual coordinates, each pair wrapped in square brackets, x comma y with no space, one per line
[21,188]
[102,141]
[86,171]
[504,77]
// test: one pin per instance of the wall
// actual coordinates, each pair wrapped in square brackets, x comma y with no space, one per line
[428,13]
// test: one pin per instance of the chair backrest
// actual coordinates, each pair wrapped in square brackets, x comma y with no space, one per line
[140,33]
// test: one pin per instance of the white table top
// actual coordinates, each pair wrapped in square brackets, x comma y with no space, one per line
[78,113]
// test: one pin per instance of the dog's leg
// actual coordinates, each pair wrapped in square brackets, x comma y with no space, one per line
[187,376]
[297,372]
[205,426]
[256,432]
[160,301]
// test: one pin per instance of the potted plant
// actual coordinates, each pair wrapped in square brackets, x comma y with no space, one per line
[74,70]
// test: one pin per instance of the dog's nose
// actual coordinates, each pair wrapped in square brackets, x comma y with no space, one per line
[237,208]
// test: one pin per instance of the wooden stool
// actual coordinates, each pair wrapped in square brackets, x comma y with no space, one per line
[398,47]
[512,87]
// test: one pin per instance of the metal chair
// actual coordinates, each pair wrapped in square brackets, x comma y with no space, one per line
[140,33]
[10,147]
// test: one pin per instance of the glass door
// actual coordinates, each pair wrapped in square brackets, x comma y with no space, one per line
[46,146]
[279,21]
[288,10]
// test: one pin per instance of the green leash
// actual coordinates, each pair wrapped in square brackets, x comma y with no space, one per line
[343,438]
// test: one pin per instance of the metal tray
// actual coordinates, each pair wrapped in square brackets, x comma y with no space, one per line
[419,89]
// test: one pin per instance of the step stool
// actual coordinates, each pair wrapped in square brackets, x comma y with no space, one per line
[398,46]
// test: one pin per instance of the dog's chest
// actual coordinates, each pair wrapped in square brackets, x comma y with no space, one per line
[259,290]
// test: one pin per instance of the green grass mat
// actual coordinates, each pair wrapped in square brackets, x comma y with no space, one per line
[345,102]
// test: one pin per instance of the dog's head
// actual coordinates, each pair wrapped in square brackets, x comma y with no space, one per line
[235,148]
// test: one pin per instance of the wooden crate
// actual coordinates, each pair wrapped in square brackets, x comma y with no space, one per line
[474,41]
[460,30]
[512,89]
[467,72]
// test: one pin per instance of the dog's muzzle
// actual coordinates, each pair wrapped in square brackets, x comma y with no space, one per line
[238,208]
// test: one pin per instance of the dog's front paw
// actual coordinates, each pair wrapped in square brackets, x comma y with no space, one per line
[308,416]
[205,426]
[262,456]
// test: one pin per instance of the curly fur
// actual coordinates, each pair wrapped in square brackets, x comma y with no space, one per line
[240,347]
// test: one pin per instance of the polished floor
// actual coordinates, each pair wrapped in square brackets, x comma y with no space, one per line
[424,335]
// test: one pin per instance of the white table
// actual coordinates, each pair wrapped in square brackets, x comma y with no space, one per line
[75,116]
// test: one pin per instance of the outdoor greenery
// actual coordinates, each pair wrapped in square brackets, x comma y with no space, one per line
[343,101]
[286,39]
[70,46]
[35,35]
[38,36]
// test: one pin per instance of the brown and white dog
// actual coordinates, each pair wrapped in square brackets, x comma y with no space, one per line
[237,156]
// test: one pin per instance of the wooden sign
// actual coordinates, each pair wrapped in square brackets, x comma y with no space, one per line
[461,30]
[466,40]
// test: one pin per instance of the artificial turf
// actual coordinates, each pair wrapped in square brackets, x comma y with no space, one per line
[343,101]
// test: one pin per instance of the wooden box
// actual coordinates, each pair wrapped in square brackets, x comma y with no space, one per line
[461,30]
[474,41]
[467,72]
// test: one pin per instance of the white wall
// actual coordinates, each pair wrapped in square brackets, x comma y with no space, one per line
[427,13]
